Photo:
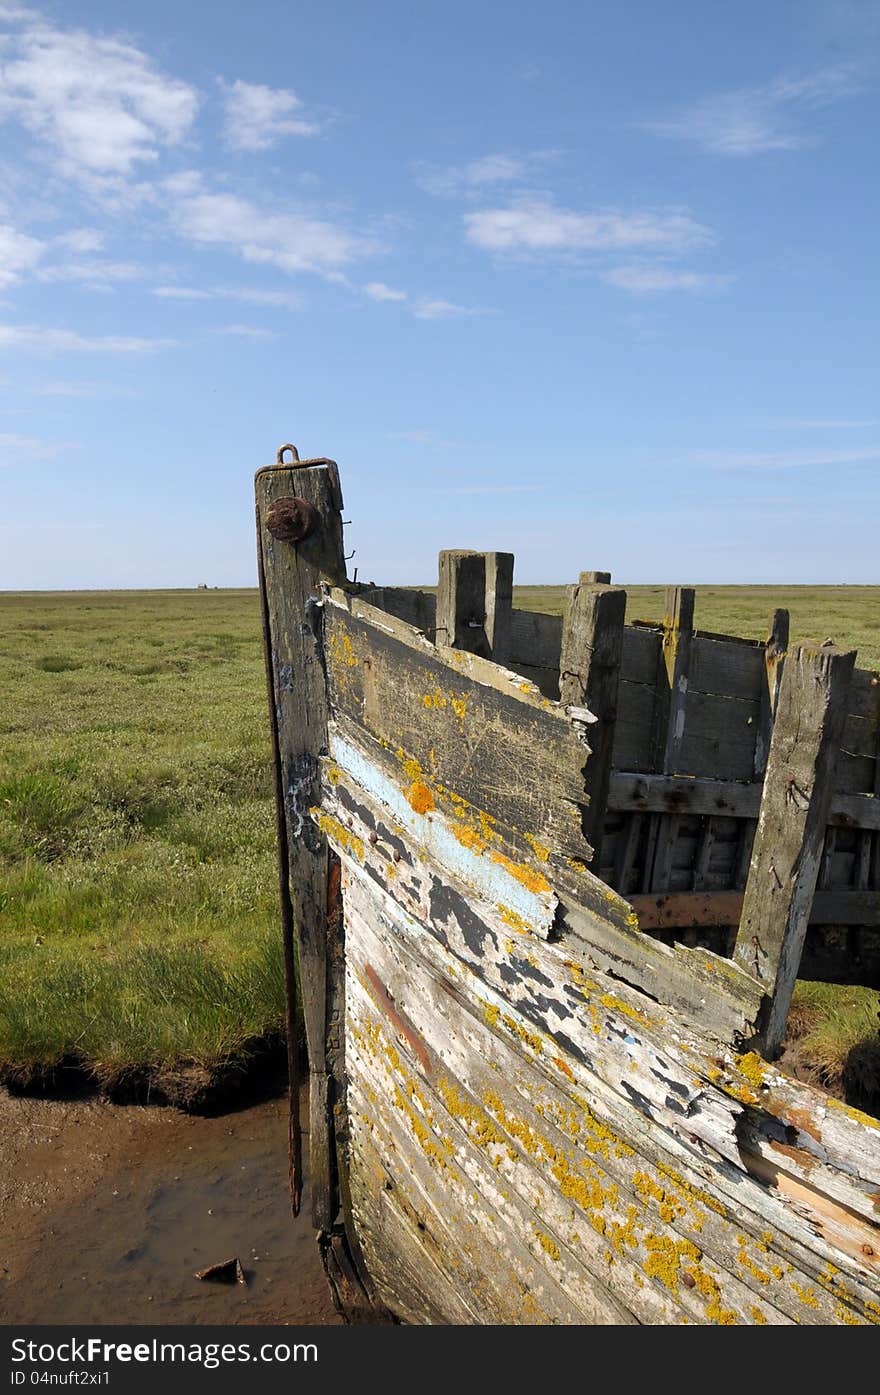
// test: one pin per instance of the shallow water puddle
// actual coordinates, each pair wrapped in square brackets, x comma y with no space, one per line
[108,1211]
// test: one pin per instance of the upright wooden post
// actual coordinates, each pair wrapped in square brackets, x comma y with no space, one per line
[299,544]
[669,717]
[774,659]
[589,672]
[499,604]
[474,600]
[787,851]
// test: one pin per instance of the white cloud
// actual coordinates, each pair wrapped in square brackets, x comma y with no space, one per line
[81,240]
[476,174]
[290,241]
[756,120]
[245,331]
[12,446]
[538,226]
[18,253]
[281,300]
[377,290]
[67,340]
[440,310]
[96,275]
[648,280]
[257,117]
[100,103]
[784,459]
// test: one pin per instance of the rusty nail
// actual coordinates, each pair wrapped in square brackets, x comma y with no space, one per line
[374,838]
[869,1251]
[396,855]
[688,1280]
[291,520]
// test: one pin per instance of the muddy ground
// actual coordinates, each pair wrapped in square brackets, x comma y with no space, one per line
[107,1211]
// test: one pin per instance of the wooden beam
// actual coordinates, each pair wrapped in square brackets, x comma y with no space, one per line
[682,910]
[672,679]
[794,811]
[633,792]
[774,658]
[592,641]
[299,533]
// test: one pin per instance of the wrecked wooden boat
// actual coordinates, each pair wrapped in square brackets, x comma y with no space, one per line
[551,882]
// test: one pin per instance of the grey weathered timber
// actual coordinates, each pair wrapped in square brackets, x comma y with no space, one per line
[461,601]
[672,680]
[774,659]
[499,605]
[592,642]
[786,855]
[293,574]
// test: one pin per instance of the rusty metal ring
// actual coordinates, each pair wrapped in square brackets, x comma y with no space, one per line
[279,458]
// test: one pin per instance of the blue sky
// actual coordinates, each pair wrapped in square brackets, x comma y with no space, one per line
[594,283]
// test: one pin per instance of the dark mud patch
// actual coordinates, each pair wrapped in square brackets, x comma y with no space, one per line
[107,1212]
[255,1072]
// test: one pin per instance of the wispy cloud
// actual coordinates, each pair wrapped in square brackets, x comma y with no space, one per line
[539,227]
[441,310]
[756,120]
[649,280]
[280,300]
[377,290]
[784,459]
[292,241]
[97,274]
[18,254]
[101,104]
[69,341]
[245,331]
[257,117]
[447,181]
[15,448]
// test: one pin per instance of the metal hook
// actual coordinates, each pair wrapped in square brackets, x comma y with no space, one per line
[279,458]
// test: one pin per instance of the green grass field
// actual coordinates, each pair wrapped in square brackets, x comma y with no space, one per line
[138,917]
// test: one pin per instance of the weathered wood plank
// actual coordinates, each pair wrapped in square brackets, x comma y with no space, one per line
[535,639]
[498,604]
[728,670]
[791,825]
[304,498]
[682,909]
[774,658]
[632,791]
[418,608]
[469,739]
[592,637]
[461,601]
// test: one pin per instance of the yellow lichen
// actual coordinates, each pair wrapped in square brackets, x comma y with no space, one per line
[547,1244]
[338,833]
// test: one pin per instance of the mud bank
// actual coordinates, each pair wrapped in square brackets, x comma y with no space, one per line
[107,1211]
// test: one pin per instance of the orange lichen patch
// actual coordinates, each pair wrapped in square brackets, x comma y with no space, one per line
[752,1067]
[706,1285]
[614,1004]
[341,649]
[531,1039]
[436,700]
[665,1256]
[469,837]
[333,773]
[806,1295]
[745,1260]
[459,707]
[527,876]
[338,833]
[561,1065]
[547,1244]
[743,1093]
[491,1013]
[420,798]
[513,919]
[541,851]
[851,1113]
[758,1317]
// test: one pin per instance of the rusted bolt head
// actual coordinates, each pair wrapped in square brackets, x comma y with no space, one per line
[374,838]
[291,520]
[688,1279]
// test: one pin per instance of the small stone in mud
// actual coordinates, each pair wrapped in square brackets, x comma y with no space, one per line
[228,1271]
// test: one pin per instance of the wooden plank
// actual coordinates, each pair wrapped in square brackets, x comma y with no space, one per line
[684,909]
[774,657]
[460,735]
[672,678]
[418,608]
[289,500]
[633,735]
[592,637]
[791,825]
[632,791]
[719,737]
[730,670]
[639,655]
[536,640]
